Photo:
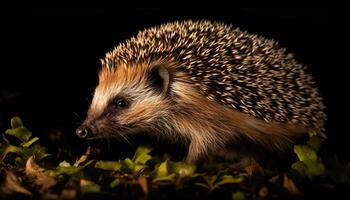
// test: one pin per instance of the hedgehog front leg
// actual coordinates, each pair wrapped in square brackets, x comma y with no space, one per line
[196,151]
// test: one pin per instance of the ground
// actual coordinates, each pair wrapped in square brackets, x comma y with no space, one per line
[29,171]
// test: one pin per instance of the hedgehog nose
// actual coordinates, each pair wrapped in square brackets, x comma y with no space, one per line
[83,131]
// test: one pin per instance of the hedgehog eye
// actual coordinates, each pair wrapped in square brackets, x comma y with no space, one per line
[121,103]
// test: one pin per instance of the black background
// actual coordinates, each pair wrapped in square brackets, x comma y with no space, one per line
[51,53]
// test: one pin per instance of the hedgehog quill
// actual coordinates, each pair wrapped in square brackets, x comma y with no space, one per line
[208,84]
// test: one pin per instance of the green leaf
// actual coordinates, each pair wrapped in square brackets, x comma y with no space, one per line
[315,142]
[88,163]
[141,155]
[38,152]
[139,160]
[108,165]
[162,169]
[305,153]
[13,149]
[66,168]
[238,196]
[210,179]
[274,179]
[16,122]
[300,167]
[309,165]
[137,164]
[89,187]
[30,142]
[228,179]
[64,164]
[138,167]
[128,164]
[312,133]
[182,169]
[162,174]
[114,183]
[18,130]
[213,182]
[203,185]
[314,168]
[20,162]
[169,178]
[21,133]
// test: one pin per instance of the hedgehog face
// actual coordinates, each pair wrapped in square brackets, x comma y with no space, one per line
[128,99]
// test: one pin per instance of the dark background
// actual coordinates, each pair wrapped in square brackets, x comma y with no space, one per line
[49,67]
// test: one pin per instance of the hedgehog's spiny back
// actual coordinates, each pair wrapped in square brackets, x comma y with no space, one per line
[249,73]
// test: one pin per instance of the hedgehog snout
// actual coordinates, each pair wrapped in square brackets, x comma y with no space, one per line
[84,131]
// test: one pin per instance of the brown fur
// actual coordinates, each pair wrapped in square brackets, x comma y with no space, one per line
[211,126]
[208,125]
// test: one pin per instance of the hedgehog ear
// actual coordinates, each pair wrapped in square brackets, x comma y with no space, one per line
[159,78]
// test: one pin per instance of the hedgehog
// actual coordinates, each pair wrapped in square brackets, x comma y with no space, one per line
[208,85]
